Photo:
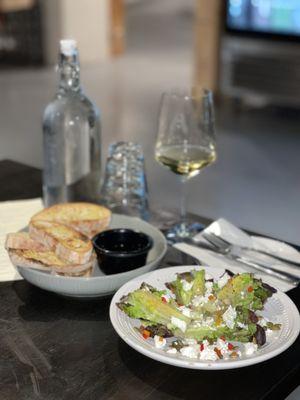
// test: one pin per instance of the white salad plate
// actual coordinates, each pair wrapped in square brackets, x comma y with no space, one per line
[279,308]
[100,285]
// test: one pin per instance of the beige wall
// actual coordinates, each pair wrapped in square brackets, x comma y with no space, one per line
[87,21]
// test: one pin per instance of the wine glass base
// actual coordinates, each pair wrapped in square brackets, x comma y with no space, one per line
[181,231]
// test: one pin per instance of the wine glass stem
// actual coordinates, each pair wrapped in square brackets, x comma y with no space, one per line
[183,202]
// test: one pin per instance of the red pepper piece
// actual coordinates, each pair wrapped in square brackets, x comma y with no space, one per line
[146,334]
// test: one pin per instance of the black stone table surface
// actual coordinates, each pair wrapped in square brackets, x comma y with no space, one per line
[52,347]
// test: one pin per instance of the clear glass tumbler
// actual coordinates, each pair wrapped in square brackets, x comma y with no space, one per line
[124,188]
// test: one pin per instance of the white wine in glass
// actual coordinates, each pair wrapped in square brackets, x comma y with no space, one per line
[186,160]
[185,142]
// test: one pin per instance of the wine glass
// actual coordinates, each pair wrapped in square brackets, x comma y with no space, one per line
[185,143]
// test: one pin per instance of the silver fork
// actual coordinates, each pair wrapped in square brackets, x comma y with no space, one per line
[261,251]
[225,248]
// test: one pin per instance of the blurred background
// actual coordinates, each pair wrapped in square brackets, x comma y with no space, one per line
[246,51]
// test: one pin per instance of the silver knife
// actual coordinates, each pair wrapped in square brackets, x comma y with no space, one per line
[285,276]
[260,251]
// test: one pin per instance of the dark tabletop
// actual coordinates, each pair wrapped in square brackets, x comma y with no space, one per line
[55,348]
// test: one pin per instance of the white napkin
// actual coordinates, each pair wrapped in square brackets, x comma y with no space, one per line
[235,235]
[14,216]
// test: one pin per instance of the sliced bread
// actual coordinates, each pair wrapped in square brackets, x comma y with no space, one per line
[86,218]
[48,261]
[22,241]
[66,242]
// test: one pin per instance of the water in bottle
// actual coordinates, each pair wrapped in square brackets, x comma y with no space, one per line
[72,137]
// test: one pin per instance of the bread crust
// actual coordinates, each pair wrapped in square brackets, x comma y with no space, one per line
[90,228]
[67,243]
[19,259]
[59,239]
[87,218]
[22,241]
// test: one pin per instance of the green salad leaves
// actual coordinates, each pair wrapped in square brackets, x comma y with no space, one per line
[193,307]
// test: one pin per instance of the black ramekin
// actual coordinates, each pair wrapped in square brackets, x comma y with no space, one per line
[121,250]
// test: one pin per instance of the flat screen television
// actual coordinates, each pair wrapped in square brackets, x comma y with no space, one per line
[265,18]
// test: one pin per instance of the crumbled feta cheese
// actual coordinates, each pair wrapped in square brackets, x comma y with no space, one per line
[190,351]
[241,325]
[190,342]
[197,324]
[250,348]
[171,295]
[172,350]
[179,323]
[200,300]
[159,342]
[223,280]
[229,317]
[185,311]
[207,351]
[186,286]
[208,354]
[263,322]
[209,321]
[222,345]
[208,287]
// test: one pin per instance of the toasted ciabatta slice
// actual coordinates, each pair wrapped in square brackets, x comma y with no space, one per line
[47,261]
[22,240]
[66,242]
[86,218]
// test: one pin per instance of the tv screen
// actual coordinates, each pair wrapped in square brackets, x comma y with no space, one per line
[269,17]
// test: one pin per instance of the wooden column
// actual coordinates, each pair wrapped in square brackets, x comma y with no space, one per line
[15,5]
[207,43]
[117,27]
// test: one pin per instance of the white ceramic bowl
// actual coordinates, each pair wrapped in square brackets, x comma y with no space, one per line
[100,285]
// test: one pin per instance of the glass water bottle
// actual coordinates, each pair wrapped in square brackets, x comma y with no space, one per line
[72,137]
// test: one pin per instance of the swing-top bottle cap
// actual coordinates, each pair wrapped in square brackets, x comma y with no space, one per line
[68,47]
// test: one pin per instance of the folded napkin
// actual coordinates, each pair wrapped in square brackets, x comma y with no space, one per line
[14,216]
[236,236]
